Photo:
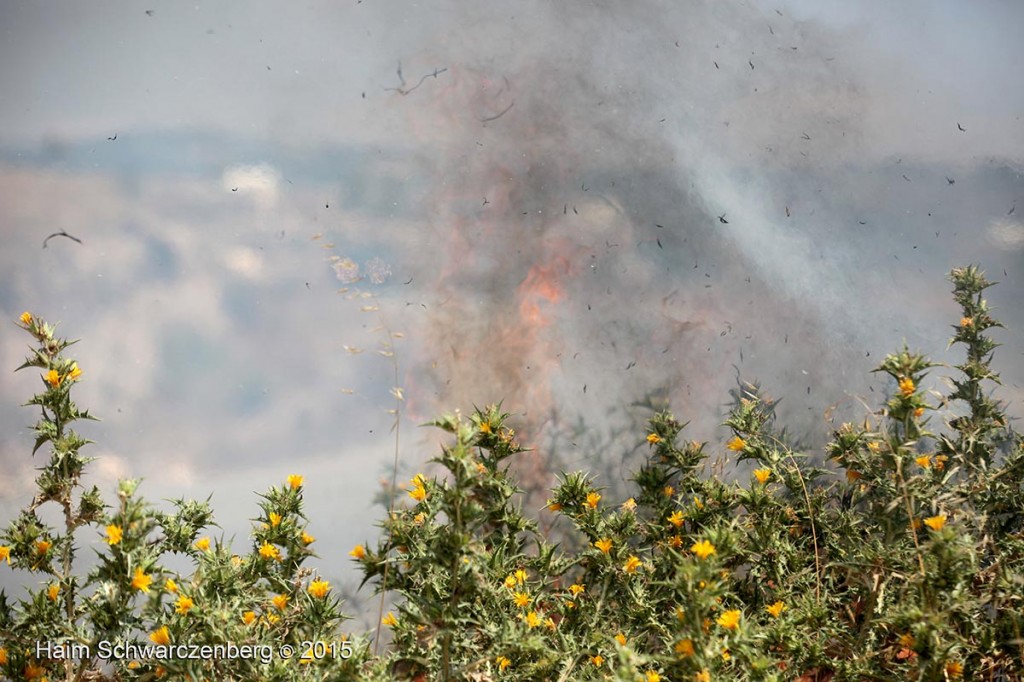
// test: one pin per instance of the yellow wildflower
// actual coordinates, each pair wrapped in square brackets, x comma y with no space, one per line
[275,519]
[549,623]
[954,668]
[604,544]
[924,461]
[418,493]
[161,636]
[5,553]
[702,676]
[307,539]
[75,372]
[736,444]
[522,599]
[577,589]
[554,507]
[269,551]
[203,544]
[919,412]
[703,549]
[183,605]
[502,662]
[593,499]
[940,462]
[697,503]
[907,640]
[113,534]
[629,505]
[669,491]
[621,639]
[936,522]
[684,648]
[358,552]
[852,475]
[26,318]
[653,438]
[141,581]
[32,671]
[762,475]
[652,676]
[874,446]
[248,617]
[53,378]
[915,524]
[319,588]
[134,665]
[729,620]
[53,591]
[43,546]
[171,586]
[295,481]
[597,660]
[419,519]
[389,620]
[907,387]
[532,619]
[520,576]
[280,601]
[676,518]
[676,541]
[726,655]
[632,563]
[510,581]
[964,321]
[775,609]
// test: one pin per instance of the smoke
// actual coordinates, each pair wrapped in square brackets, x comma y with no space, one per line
[599,226]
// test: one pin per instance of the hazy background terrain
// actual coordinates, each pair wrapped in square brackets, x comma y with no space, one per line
[570,206]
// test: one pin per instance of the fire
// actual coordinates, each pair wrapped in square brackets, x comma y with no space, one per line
[541,286]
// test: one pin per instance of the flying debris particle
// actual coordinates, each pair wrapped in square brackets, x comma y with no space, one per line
[583,186]
[787,211]
[149,12]
[307,285]
[906,178]
[950,180]
[786,340]
[1012,209]
[234,189]
[62,233]
[961,128]
[353,350]
[751,64]
[347,391]
[631,365]
[408,282]
[722,219]
[113,138]
[498,115]
[805,136]
[584,388]
[862,222]
[658,240]
[716,64]
[403,90]
[577,212]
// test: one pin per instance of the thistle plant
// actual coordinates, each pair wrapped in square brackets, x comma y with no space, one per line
[260,615]
[902,560]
